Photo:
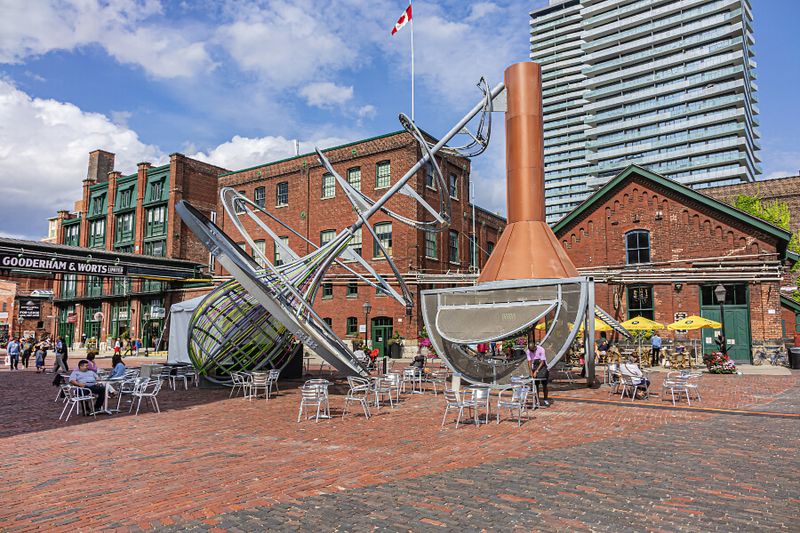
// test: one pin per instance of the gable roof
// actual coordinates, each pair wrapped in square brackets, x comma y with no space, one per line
[790,304]
[595,199]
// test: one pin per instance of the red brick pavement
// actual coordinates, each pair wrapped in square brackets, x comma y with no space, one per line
[206,454]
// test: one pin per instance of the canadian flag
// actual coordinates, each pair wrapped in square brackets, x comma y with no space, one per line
[403,20]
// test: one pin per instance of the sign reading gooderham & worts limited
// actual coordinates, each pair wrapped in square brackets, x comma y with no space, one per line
[60,265]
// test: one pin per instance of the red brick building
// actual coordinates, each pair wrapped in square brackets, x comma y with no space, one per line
[131,214]
[26,306]
[300,193]
[775,190]
[658,249]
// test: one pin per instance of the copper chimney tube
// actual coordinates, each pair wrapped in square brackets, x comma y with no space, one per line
[528,248]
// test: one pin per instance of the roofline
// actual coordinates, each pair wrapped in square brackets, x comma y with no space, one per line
[301,156]
[792,256]
[791,304]
[767,181]
[674,186]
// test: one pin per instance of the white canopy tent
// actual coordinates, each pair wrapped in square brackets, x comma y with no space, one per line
[180,316]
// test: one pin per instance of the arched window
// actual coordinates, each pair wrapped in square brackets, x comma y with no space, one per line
[637,247]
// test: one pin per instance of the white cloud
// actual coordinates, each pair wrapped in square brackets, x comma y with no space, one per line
[481,9]
[366,111]
[326,94]
[286,44]
[44,146]
[243,152]
[121,27]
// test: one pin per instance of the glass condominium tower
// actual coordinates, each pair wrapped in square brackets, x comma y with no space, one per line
[666,84]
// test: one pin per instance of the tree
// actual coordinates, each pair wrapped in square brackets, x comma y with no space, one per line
[776,213]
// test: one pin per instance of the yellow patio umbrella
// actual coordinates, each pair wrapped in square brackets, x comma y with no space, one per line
[599,325]
[640,323]
[694,322]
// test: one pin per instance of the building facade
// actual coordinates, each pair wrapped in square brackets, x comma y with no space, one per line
[786,190]
[659,249]
[129,214]
[300,192]
[662,83]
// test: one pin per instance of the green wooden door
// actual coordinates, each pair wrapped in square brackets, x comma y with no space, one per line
[737,321]
[382,330]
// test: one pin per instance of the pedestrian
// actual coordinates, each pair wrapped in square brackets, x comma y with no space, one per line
[655,356]
[117,347]
[91,364]
[61,352]
[537,365]
[136,345]
[27,350]
[40,355]
[13,349]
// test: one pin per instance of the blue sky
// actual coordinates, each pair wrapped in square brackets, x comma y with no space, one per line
[235,81]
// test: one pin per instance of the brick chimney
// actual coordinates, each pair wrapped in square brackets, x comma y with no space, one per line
[100,164]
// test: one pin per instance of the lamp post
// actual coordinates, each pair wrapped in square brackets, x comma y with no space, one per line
[145,332]
[720,292]
[367,308]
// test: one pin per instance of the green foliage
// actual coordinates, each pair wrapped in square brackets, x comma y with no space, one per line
[776,213]
[794,244]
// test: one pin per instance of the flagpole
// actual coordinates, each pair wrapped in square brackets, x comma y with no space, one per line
[412,63]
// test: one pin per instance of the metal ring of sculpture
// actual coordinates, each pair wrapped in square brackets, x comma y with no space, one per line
[230,331]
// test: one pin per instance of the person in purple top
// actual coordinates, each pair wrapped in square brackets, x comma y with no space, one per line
[537,364]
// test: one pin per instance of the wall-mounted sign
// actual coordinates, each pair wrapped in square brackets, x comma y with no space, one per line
[680,316]
[72,318]
[29,309]
[157,313]
[43,264]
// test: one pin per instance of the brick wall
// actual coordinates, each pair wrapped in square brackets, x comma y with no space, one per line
[681,231]
[782,189]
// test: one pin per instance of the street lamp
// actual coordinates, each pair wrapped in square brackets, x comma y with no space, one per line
[720,292]
[145,332]
[367,308]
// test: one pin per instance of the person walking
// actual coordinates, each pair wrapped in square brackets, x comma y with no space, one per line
[61,352]
[117,347]
[27,350]
[655,355]
[41,353]
[13,349]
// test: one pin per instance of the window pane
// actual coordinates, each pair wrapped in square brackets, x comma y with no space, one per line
[282,193]
[326,236]
[640,301]
[260,247]
[430,245]
[429,178]
[383,174]
[384,232]
[354,177]
[327,290]
[352,325]
[328,186]
[637,244]
[355,242]
[454,247]
[453,186]
[352,288]
[278,258]
[259,196]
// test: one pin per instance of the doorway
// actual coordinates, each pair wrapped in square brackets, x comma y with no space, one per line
[382,330]
[737,320]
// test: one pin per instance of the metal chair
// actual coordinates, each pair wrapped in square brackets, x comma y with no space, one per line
[436,378]
[359,392]
[395,381]
[147,389]
[240,381]
[127,387]
[165,374]
[63,392]
[533,392]
[78,397]
[518,401]
[676,382]
[454,401]
[259,380]
[182,374]
[631,384]
[383,386]
[314,394]
[480,397]
[272,380]
[412,375]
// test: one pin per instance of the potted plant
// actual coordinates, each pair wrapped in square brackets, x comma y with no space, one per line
[425,344]
[719,363]
[395,346]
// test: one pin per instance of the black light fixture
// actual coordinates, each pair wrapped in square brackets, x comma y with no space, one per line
[678,286]
[367,307]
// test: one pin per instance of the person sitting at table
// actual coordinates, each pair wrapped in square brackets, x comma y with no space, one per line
[418,362]
[91,364]
[118,367]
[630,368]
[87,379]
[508,352]
[537,365]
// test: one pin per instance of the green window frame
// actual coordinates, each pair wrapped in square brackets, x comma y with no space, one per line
[125,226]
[121,286]
[430,245]
[355,242]
[384,232]
[327,291]
[430,181]
[453,247]
[97,233]
[354,177]
[156,248]
[72,235]
[352,289]
[260,196]
[328,186]
[282,194]
[637,247]
[383,174]
[98,205]
[156,191]
[453,181]
[352,326]
[155,221]
[69,285]
[326,236]
[93,286]
[125,198]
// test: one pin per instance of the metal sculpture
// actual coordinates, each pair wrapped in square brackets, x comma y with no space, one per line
[287,291]
[528,278]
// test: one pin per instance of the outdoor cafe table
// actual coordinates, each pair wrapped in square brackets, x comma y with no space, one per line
[106,382]
[481,394]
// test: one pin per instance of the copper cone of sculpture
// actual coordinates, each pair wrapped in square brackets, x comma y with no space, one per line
[528,248]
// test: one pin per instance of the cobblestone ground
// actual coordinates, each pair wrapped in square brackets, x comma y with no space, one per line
[212,463]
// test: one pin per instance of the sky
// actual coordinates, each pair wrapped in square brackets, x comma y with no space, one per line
[234,82]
